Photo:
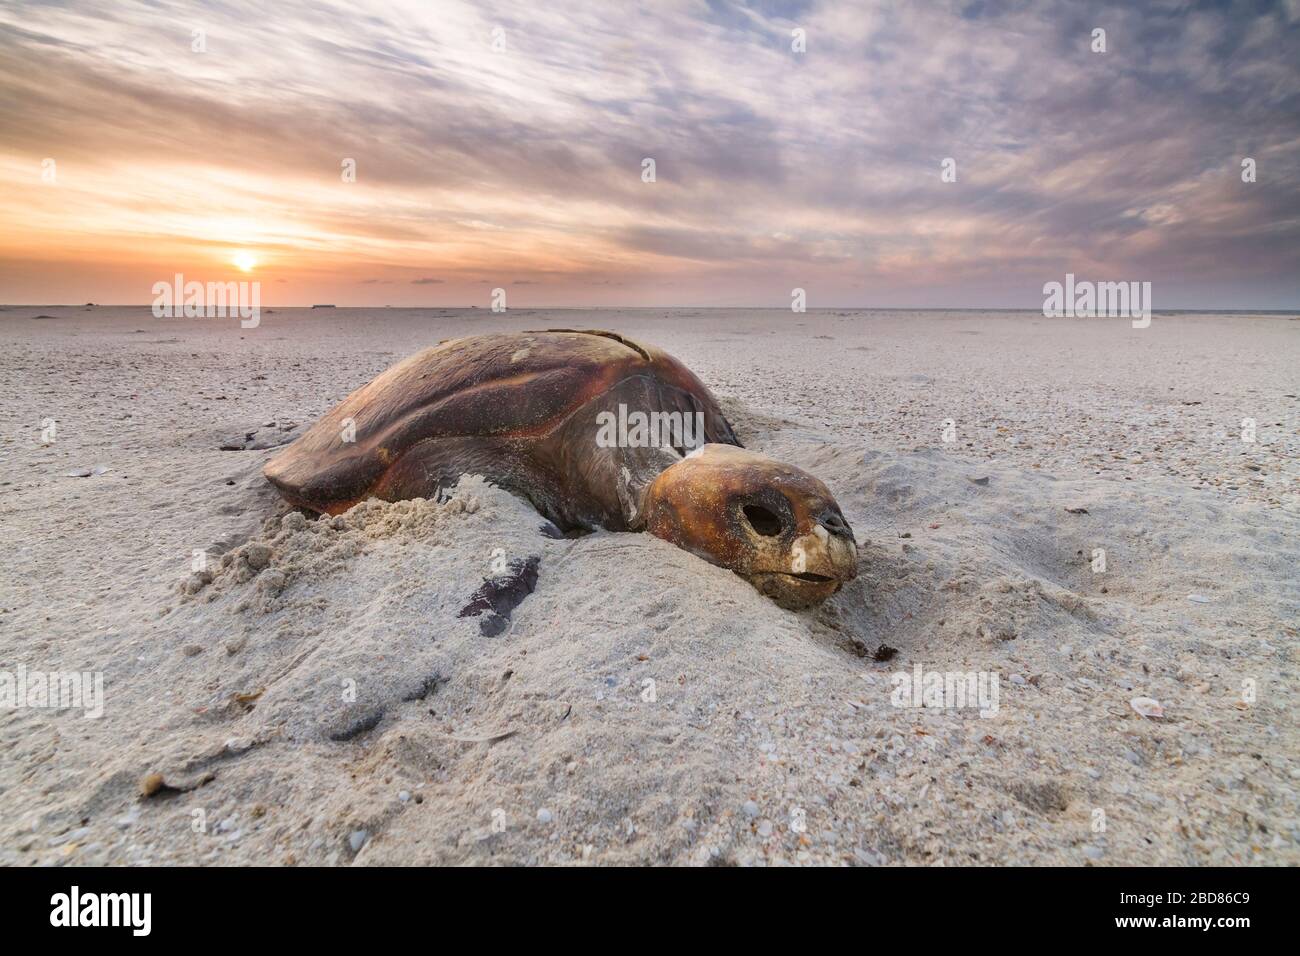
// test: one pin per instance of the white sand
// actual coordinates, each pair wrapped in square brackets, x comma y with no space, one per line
[763,719]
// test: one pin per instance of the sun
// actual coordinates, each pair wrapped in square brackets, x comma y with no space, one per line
[245,261]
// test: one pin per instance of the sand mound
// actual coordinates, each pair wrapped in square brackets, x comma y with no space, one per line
[331,621]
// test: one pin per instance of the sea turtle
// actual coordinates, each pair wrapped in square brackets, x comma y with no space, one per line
[596,431]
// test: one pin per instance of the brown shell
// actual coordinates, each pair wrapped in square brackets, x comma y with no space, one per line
[508,385]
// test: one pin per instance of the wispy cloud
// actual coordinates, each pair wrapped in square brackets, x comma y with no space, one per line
[506,142]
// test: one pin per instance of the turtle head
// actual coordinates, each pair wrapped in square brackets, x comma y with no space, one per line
[771,523]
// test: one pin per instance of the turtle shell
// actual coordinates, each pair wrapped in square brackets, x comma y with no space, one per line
[519,386]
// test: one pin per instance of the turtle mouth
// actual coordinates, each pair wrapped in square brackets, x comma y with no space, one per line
[795,578]
[795,590]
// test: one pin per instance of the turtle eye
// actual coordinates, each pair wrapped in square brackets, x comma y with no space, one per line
[762,520]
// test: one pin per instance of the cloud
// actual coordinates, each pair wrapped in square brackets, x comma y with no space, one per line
[823,164]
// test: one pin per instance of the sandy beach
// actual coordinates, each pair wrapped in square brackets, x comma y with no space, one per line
[312,697]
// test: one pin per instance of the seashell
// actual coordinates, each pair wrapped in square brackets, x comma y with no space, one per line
[1147,706]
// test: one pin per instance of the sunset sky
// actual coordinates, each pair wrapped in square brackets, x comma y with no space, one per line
[521,167]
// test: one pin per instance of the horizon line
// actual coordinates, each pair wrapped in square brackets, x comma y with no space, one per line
[663,308]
